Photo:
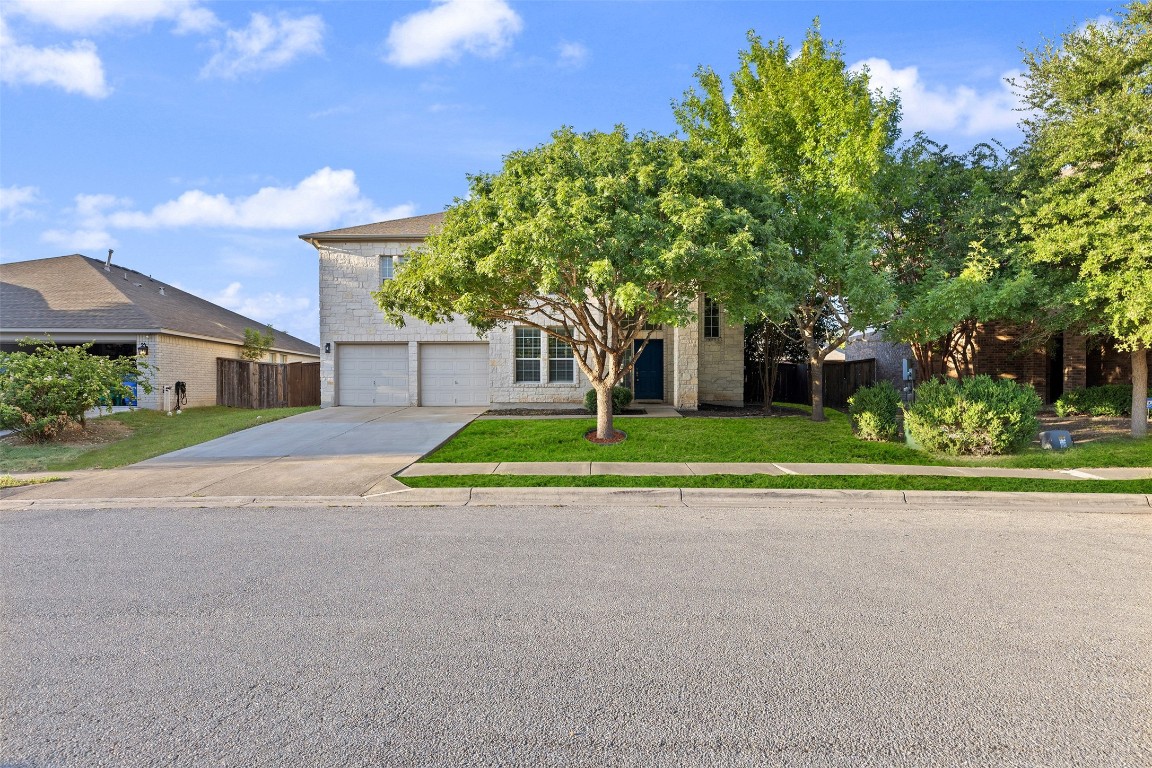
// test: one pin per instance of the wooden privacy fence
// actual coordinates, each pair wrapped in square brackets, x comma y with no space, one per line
[843,377]
[841,380]
[247,384]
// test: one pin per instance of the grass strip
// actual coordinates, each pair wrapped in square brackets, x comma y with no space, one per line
[845,482]
[153,433]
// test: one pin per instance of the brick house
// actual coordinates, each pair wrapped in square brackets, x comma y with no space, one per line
[366,361]
[1069,361]
[75,300]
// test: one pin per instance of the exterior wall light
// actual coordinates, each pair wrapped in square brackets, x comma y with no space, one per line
[142,349]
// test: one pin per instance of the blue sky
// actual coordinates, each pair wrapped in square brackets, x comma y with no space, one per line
[199,139]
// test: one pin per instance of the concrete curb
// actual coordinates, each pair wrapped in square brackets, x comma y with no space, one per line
[1111,503]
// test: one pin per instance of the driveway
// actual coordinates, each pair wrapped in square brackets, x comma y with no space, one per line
[329,452]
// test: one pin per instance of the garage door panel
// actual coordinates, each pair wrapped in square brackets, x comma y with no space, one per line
[454,374]
[373,374]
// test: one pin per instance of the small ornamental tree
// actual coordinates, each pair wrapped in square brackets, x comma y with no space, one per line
[257,343]
[45,390]
[1088,212]
[590,238]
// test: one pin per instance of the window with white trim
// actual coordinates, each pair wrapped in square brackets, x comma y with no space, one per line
[561,364]
[711,319]
[527,354]
[387,268]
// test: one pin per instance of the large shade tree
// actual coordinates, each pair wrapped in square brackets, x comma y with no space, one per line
[813,135]
[592,238]
[1088,214]
[947,236]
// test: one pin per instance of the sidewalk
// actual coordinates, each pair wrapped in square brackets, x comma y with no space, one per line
[685,469]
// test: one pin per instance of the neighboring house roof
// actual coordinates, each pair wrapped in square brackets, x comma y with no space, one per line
[400,229]
[66,293]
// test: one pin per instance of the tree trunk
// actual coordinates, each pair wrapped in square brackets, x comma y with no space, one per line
[816,381]
[604,429]
[1139,391]
[770,384]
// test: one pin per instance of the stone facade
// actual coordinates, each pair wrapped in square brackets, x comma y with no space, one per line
[695,369]
[722,364]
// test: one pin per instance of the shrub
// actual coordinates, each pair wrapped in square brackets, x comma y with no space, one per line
[44,391]
[1108,400]
[977,416]
[621,398]
[874,411]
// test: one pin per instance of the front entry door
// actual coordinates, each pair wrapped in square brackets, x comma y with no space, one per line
[649,371]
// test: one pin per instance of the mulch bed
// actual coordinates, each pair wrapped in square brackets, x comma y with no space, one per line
[555,412]
[1087,429]
[618,437]
[98,432]
[709,411]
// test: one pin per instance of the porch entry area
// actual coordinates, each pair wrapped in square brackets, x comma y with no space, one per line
[648,374]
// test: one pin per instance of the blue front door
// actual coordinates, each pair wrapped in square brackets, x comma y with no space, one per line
[649,371]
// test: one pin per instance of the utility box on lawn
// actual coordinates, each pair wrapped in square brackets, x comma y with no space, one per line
[1056,440]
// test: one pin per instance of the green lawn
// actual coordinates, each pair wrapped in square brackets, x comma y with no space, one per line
[153,433]
[853,482]
[786,439]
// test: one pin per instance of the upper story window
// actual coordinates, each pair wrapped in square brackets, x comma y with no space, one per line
[711,319]
[561,364]
[527,354]
[387,268]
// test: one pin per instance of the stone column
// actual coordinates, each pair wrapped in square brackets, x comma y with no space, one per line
[686,367]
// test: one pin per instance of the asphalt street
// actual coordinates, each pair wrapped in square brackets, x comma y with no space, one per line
[567,636]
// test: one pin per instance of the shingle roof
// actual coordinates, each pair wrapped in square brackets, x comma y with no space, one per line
[75,293]
[413,226]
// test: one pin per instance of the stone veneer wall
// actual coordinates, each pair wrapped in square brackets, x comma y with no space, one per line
[722,364]
[349,272]
[505,391]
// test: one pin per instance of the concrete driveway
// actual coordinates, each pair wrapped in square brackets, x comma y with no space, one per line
[330,452]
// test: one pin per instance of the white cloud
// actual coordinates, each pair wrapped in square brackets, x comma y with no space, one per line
[450,28]
[293,314]
[1104,22]
[80,240]
[91,16]
[572,55]
[961,109]
[324,199]
[17,202]
[266,44]
[77,69]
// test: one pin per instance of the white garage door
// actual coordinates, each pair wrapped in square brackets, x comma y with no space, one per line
[454,374]
[372,374]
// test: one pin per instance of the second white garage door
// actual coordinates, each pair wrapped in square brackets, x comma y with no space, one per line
[453,374]
[373,374]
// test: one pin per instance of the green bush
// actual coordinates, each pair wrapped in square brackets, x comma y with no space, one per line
[621,399]
[874,411]
[1108,400]
[49,388]
[978,416]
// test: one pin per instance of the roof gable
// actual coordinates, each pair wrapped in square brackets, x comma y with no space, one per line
[411,227]
[78,293]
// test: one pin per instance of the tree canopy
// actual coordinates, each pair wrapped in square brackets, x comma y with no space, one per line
[1087,212]
[590,238]
[812,136]
[947,235]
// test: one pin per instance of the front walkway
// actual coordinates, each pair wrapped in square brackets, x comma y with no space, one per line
[684,469]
